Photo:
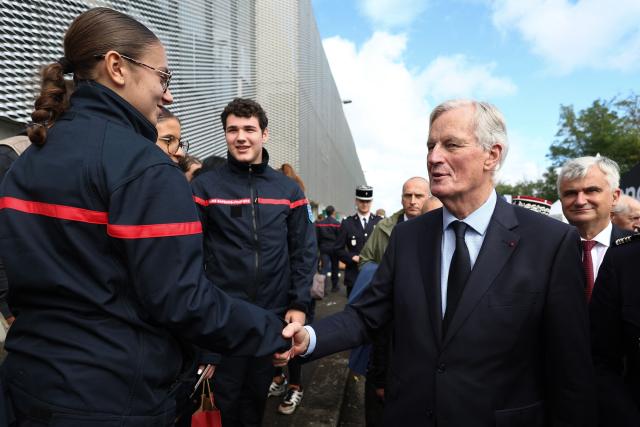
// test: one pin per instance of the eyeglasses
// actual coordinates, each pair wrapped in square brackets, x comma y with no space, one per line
[172,147]
[165,76]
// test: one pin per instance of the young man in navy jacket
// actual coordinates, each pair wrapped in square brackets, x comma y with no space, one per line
[260,246]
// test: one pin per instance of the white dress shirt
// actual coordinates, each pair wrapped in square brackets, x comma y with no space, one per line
[367,217]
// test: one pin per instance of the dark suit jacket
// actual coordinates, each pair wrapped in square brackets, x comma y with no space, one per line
[615,336]
[617,233]
[350,242]
[517,350]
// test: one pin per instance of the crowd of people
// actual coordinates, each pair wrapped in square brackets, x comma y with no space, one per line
[134,270]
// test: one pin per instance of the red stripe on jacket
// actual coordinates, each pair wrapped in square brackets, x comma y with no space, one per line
[72,213]
[328,225]
[260,201]
[54,211]
[154,230]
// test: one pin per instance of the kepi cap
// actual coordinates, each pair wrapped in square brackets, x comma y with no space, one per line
[364,192]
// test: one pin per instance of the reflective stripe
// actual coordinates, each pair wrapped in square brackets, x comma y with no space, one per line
[260,201]
[300,202]
[54,211]
[101,218]
[154,230]
[273,201]
[231,202]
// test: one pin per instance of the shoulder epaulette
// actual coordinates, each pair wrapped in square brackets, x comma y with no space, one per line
[627,239]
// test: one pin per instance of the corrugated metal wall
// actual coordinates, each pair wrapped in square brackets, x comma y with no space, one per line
[327,152]
[268,50]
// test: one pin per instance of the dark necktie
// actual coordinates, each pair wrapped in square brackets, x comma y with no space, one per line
[587,264]
[458,273]
[364,223]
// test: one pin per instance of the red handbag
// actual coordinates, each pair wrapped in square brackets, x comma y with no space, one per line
[207,415]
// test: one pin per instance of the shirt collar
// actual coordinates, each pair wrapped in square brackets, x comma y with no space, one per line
[362,216]
[603,237]
[478,219]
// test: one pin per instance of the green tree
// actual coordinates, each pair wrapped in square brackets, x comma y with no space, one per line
[609,128]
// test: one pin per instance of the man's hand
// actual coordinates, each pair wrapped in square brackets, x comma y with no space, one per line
[299,344]
[295,316]
[356,258]
[380,393]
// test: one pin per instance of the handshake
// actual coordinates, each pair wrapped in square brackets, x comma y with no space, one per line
[300,339]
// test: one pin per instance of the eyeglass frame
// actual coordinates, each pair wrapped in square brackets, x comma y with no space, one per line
[181,143]
[165,75]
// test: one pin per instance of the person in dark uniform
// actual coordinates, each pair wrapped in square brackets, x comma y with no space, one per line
[260,246]
[615,335]
[103,245]
[354,232]
[327,231]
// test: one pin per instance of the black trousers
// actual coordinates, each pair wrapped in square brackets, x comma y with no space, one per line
[240,387]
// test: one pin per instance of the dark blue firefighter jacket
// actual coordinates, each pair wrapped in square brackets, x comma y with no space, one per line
[260,243]
[102,244]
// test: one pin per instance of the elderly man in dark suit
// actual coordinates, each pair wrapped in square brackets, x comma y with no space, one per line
[489,318]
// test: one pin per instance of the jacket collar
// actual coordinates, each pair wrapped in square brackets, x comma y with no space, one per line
[242,167]
[387,224]
[102,101]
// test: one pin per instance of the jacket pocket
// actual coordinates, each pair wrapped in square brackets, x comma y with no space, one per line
[524,416]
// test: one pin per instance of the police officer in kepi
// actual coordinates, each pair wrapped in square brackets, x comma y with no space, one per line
[354,232]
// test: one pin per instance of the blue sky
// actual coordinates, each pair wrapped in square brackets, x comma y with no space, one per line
[397,59]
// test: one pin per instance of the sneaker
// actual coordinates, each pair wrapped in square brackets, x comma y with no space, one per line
[291,401]
[276,389]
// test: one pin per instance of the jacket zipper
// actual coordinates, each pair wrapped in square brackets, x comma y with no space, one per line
[253,290]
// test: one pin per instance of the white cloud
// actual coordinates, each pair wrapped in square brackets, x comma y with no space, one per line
[392,13]
[454,77]
[524,161]
[574,34]
[391,104]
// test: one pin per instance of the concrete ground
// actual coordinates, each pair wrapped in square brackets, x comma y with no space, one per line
[331,396]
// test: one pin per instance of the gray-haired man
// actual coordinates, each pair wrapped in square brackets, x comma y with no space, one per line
[588,190]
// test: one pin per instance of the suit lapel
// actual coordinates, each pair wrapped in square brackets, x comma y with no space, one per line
[499,243]
[430,259]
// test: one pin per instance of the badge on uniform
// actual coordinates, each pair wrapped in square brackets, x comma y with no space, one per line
[353,240]
[310,213]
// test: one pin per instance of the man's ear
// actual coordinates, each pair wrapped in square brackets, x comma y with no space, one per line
[492,162]
[616,196]
[265,135]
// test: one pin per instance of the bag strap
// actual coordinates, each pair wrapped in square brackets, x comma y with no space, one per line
[213,404]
